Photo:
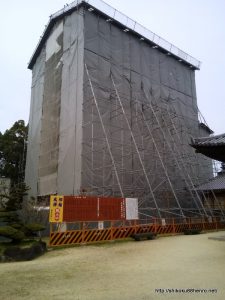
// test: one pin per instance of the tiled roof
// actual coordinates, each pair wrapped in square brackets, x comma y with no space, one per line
[216,140]
[217,183]
[212,146]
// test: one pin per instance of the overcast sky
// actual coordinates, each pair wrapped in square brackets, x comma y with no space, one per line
[195,26]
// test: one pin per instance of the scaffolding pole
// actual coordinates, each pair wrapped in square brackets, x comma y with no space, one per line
[104,131]
[136,147]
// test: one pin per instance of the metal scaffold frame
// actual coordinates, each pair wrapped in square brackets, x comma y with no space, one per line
[155,129]
[113,113]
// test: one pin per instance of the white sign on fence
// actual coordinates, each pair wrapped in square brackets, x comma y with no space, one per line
[131,208]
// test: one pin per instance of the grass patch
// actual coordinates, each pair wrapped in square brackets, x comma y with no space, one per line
[119,270]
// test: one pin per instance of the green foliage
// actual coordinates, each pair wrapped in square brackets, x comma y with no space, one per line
[17,226]
[8,216]
[12,227]
[34,227]
[15,198]
[19,231]
[12,165]
[23,254]
[12,233]
[13,152]
[7,231]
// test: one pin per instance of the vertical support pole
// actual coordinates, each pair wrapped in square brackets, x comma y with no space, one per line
[161,160]
[104,131]
[174,231]
[136,147]
[111,231]
[189,223]
[135,226]
[168,144]
[203,224]
[218,203]
[185,169]
[82,228]
[155,225]
[51,230]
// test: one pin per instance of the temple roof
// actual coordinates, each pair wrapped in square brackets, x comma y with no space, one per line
[212,146]
[216,184]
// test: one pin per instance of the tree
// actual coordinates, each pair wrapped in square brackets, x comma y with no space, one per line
[12,165]
[15,198]
[13,152]
[12,226]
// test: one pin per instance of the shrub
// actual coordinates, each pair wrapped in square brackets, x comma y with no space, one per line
[12,233]
[18,254]
[34,227]
[17,226]
[8,216]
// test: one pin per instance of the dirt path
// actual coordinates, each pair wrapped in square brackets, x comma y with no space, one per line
[123,270]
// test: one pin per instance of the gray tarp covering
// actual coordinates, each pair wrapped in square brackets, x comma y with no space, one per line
[70,143]
[142,75]
[49,141]
[84,140]
[33,149]
[54,148]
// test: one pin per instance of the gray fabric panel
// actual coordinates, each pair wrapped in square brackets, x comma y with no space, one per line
[49,141]
[135,52]
[104,44]
[116,45]
[151,58]
[138,70]
[174,75]
[193,88]
[91,32]
[33,148]
[70,142]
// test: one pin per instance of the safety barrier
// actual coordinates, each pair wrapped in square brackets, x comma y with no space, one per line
[88,235]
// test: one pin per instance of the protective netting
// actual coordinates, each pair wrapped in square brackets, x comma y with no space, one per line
[113,116]
[140,112]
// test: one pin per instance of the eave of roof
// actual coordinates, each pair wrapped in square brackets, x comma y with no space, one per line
[216,140]
[129,25]
[215,184]
[212,146]
[206,127]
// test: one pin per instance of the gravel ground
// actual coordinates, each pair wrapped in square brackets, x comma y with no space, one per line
[174,267]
